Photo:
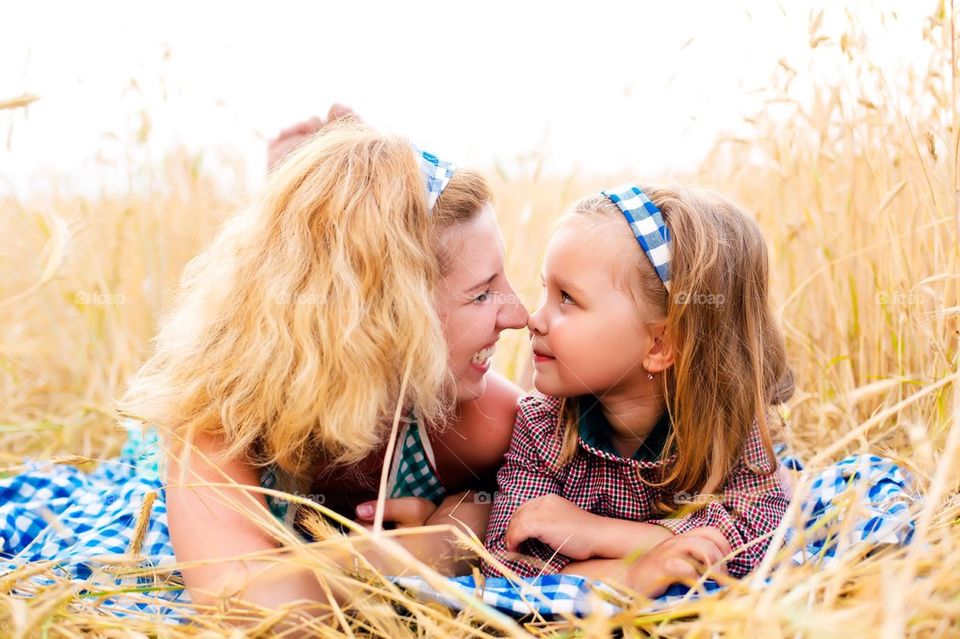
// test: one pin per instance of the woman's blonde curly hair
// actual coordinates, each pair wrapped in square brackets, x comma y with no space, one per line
[292,330]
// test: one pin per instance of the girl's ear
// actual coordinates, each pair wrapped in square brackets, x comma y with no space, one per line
[659,356]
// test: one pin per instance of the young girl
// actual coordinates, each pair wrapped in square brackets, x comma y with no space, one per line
[656,360]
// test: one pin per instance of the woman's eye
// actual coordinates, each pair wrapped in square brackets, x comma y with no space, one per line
[482,297]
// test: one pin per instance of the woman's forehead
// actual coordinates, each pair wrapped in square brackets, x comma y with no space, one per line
[474,249]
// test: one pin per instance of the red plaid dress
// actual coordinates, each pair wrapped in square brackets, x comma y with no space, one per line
[598,480]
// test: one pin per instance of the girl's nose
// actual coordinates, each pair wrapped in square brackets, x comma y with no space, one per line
[536,323]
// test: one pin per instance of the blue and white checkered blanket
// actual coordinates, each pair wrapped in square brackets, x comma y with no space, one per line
[83,525]
[879,488]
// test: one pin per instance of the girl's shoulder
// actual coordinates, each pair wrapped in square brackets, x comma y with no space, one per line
[756,458]
[536,435]
[536,403]
[538,413]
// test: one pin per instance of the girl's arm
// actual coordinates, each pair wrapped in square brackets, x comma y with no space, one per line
[524,476]
[577,533]
[293,136]
[680,558]
[747,509]
[614,570]
[619,538]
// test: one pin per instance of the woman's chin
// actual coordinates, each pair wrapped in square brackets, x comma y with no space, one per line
[473,387]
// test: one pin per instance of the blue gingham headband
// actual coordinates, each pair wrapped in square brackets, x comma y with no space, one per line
[647,225]
[436,173]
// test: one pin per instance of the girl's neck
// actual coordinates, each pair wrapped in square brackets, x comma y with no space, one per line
[632,416]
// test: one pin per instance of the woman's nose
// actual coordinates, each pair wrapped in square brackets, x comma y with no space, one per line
[513,314]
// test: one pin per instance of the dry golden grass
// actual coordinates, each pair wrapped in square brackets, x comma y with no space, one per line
[856,189]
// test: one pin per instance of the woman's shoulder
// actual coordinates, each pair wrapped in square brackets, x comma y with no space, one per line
[504,404]
[483,426]
[496,409]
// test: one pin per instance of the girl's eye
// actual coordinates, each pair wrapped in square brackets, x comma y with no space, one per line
[482,297]
[565,298]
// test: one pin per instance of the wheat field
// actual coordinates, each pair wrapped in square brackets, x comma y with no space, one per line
[856,189]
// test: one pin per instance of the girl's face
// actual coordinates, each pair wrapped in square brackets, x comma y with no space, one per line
[476,301]
[588,336]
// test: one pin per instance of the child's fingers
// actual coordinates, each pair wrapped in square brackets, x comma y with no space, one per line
[679,569]
[714,535]
[517,533]
[510,539]
[705,551]
[281,147]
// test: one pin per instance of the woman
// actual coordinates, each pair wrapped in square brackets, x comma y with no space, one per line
[340,295]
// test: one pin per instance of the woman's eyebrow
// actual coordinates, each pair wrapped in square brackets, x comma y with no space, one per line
[485,282]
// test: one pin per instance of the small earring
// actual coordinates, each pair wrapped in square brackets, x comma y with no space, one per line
[649,375]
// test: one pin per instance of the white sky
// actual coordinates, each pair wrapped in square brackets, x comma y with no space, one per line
[597,85]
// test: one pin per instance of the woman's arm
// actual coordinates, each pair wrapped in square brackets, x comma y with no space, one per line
[220,524]
[463,511]
[469,453]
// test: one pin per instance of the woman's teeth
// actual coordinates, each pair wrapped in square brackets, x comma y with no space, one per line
[483,356]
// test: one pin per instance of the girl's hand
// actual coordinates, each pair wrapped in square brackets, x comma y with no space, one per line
[404,512]
[558,523]
[681,558]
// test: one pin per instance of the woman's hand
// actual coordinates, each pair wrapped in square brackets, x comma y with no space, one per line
[438,549]
[292,137]
[681,558]
[404,512]
[558,523]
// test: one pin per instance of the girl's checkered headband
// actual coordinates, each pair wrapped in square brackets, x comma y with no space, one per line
[646,222]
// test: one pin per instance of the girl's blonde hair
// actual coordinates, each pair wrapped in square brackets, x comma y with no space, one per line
[292,330]
[730,360]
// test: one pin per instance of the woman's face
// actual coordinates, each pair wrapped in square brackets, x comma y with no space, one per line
[476,301]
